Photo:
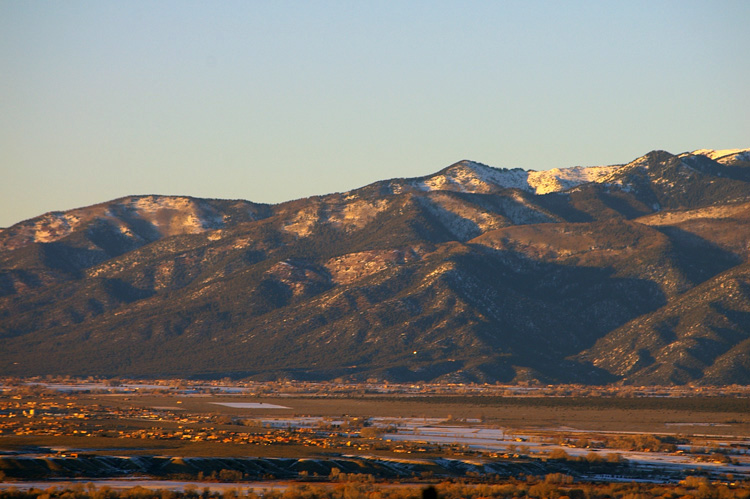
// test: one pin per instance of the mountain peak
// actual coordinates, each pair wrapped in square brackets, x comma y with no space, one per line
[475,177]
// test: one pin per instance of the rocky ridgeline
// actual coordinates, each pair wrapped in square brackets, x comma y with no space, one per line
[632,273]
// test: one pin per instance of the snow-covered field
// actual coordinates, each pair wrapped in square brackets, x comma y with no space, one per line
[251,405]
[483,438]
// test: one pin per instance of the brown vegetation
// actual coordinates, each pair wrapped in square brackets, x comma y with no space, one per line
[552,486]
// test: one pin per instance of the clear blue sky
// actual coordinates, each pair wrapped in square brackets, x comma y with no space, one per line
[276,100]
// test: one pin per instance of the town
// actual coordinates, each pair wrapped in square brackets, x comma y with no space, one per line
[471,432]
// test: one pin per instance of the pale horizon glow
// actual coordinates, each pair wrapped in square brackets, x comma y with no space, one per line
[273,101]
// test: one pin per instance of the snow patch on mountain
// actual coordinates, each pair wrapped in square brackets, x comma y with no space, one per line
[168,215]
[303,221]
[562,179]
[356,213]
[459,226]
[721,154]
[299,277]
[46,228]
[710,213]
[520,212]
[175,215]
[51,228]
[468,176]
[471,177]
[482,219]
[352,267]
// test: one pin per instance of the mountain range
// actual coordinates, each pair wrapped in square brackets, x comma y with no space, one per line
[636,273]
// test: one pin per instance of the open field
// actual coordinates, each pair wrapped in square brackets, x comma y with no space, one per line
[719,416]
[66,434]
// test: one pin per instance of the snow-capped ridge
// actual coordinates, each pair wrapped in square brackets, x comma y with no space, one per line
[561,179]
[720,154]
[165,215]
[727,157]
[475,177]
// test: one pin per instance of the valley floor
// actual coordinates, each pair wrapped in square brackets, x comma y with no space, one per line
[234,435]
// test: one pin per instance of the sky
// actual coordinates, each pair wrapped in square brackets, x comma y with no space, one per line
[276,100]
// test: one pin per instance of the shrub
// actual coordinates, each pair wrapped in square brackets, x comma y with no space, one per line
[559,454]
